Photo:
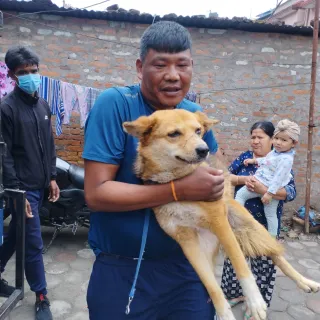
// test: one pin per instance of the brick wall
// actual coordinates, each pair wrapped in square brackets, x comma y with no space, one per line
[223,60]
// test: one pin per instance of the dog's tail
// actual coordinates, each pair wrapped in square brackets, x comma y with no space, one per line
[254,239]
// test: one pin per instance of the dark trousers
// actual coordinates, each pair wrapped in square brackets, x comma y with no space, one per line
[166,290]
[34,268]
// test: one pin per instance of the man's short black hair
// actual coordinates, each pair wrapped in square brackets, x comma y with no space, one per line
[18,56]
[165,36]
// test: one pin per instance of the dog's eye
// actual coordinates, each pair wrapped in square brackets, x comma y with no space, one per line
[198,131]
[174,134]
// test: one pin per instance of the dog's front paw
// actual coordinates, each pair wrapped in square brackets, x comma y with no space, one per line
[227,313]
[257,307]
[308,285]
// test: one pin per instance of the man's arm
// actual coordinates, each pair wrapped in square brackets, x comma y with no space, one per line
[103,153]
[53,173]
[10,179]
[104,194]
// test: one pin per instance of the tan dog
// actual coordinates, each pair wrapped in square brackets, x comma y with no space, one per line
[171,147]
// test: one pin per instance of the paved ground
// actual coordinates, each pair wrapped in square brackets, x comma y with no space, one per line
[69,262]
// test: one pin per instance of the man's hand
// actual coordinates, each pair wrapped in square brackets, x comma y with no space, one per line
[204,184]
[249,161]
[28,210]
[266,199]
[54,191]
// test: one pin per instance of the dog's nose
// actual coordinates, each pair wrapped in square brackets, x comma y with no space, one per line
[202,151]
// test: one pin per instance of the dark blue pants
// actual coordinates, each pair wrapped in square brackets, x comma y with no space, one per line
[166,290]
[34,268]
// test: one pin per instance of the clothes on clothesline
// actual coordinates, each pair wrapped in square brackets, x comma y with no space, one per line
[6,83]
[50,90]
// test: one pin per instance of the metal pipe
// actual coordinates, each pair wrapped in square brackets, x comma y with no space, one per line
[311,112]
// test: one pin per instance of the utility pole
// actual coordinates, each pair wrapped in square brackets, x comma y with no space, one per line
[311,112]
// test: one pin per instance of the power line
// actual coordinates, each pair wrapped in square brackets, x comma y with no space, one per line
[58,11]
[282,63]
[257,88]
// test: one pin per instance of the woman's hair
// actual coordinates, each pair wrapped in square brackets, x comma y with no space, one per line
[266,126]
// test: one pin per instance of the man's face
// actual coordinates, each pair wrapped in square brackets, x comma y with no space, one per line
[165,77]
[23,70]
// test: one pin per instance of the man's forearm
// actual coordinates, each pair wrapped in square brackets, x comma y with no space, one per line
[116,196]
[10,179]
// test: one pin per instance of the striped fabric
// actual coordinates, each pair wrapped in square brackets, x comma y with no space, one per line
[50,91]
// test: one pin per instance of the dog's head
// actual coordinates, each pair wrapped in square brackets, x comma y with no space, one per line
[170,139]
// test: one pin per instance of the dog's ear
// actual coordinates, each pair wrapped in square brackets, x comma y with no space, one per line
[205,121]
[140,127]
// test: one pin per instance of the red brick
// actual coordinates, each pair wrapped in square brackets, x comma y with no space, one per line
[52,60]
[77,49]
[54,47]
[51,74]
[99,64]
[73,75]
[74,148]
[301,92]
[74,62]
[259,114]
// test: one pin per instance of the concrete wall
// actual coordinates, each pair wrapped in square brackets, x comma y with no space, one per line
[102,54]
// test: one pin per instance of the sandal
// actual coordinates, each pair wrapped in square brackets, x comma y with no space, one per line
[247,315]
[235,301]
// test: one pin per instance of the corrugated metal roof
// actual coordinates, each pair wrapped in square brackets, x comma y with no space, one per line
[243,24]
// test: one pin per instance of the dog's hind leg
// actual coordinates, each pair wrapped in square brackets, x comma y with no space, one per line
[255,241]
[220,226]
[302,282]
[196,252]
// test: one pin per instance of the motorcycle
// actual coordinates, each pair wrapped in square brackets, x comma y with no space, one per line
[70,210]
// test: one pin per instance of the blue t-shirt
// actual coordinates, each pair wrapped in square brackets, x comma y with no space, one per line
[105,141]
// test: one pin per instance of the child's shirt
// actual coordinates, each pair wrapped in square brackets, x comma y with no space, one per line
[274,169]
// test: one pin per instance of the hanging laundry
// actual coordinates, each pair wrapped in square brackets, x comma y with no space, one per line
[82,104]
[69,98]
[92,96]
[57,106]
[77,98]
[192,96]
[50,90]
[6,83]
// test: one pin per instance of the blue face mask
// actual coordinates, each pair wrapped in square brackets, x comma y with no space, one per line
[29,83]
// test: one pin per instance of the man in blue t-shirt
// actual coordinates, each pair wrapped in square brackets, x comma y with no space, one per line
[167,287]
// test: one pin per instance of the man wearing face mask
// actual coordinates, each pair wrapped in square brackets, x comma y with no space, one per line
[29,164]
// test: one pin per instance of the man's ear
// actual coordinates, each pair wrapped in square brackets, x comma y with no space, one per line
[140,127]
[12,75]
[139,69]
[206,122]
